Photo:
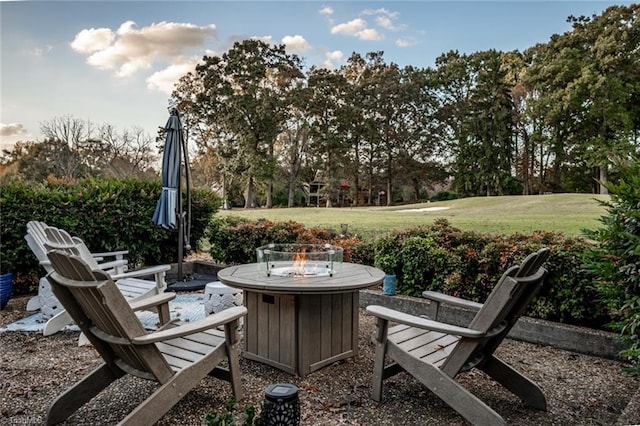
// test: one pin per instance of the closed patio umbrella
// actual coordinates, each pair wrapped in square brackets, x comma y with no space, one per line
[169,213]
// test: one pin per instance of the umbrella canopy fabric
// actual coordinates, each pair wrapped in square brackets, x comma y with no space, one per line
[166,210]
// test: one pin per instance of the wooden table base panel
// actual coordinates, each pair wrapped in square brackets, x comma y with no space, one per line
[301,333]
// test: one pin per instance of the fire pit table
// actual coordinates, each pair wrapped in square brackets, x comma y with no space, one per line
[301,323]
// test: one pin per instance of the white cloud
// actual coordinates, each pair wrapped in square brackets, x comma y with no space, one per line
[370,34]
[357,28]
[92,40]
[381,11]
[130,49]
[351,28]
[336,55]
[327,10]
[385,19]
[330,59]
[405,42]
[39,52]
[266,39]
[296,43]
[165,80]
[384,22]
[12,129]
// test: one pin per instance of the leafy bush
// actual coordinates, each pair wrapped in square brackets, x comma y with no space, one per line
[616,260]
[467,264]
[108,214]
[234,240]
[439,257]
[444,196]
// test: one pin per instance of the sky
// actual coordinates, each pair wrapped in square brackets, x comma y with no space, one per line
[115,62]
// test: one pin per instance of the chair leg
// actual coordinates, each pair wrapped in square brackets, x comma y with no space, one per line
[57,322]
[33,304]
[451,392]
[519,385]
[164,316]
[380,340]
[171,392]
[233,358]
[76,396]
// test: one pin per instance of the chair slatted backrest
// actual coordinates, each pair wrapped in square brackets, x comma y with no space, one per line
[36,239]
[39,250]
[58,239]
[531,267]
[101,311]
[36,229]
[506,303]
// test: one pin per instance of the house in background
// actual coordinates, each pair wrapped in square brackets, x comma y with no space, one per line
[342,196]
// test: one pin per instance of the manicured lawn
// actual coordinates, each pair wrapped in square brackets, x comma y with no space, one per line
[568,213]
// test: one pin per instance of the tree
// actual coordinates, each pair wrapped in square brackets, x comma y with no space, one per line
[51,158]
[607,83]
[78,148]
[525,124]
[453,79]
[292,148]
[325,97]
[484,150]
[587,86]
[246,91]
[393,107]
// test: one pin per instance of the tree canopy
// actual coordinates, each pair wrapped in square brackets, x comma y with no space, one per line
[551,118]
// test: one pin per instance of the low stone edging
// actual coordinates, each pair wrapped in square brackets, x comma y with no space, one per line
[562,336]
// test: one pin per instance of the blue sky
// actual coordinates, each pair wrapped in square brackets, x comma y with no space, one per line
[114,62]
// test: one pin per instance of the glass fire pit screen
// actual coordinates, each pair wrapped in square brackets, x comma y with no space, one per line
[299,260]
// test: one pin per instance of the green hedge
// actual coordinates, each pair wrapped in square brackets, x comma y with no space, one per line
[233,240]
[108,214]
[439,257]
[467,264]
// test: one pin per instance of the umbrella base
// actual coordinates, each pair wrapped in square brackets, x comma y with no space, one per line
[189,282]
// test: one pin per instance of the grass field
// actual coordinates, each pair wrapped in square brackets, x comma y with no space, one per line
[567,213]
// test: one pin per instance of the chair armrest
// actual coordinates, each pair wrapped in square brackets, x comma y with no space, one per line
[187,329]
[112,264]
[152,301]
[142,272]
[420,322]
[451,300]
[117,254]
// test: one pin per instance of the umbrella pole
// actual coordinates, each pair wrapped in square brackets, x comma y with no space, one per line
[180,243]
[179,212]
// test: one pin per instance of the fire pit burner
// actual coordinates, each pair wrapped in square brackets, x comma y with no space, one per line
[299,260]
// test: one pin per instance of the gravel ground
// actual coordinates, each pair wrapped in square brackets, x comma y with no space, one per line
[580,389]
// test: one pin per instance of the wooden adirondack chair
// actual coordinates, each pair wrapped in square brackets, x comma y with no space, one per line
[108,260]
[114,262]
[130,283]
[177,356]
[435,352]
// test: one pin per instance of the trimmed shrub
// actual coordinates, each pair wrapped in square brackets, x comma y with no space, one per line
[234,240]
[468,264]
[108,214]
[442,258]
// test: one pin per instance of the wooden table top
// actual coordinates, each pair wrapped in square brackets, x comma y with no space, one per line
[350,278]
